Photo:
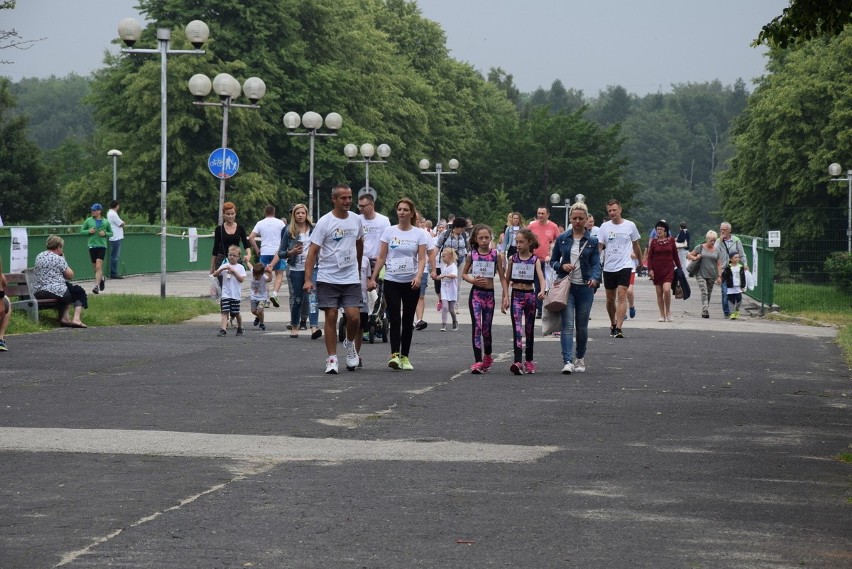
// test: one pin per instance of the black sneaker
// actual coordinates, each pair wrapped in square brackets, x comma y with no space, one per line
[222,332]
[421,325]
[303,325]
[256,321]
[95,290]
[619,333]
[274,300]
[239,331]
[612,330]
[102,284]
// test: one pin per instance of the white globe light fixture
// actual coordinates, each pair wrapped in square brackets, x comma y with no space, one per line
[367,151]
[438,172]
[312,122]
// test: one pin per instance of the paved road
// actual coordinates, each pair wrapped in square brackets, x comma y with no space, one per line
[699,443]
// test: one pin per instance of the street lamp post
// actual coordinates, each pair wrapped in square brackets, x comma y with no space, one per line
[438,172]
[197,32]
[367,152]
[115,154]
[228,89]
[835,170]
[312,121]
[556,198]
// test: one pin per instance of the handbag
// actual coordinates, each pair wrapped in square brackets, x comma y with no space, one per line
[550,322]
[557,297]
[692,267]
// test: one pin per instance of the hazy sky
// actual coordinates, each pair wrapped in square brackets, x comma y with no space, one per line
[644,46]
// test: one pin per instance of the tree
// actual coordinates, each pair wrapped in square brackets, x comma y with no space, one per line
[11,39]
[795,124]
[804,20]
[25,184]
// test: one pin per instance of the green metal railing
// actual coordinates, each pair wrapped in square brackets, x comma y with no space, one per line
[140,249]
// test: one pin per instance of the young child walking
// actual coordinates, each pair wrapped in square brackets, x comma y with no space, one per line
[233,274]
[480,267]
[735,278]
[523,270]
[259,292]
[449,279]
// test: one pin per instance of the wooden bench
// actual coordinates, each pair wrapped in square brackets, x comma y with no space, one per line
[18,286]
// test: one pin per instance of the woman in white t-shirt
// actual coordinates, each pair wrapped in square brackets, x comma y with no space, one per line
[403,256]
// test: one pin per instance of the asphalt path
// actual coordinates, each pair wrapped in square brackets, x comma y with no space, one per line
[693,444]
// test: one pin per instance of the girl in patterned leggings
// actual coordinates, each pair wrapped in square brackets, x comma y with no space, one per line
[480,267]
[523,269]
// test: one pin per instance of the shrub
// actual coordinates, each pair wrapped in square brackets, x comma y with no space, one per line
[838,265]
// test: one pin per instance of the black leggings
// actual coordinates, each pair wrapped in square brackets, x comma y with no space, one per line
[397,294]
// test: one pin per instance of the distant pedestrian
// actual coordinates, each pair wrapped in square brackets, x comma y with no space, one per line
[662,260]
[269,230]
[403,256]
[734,276]
[259,293]
[728,244]
[576,255]
[5,309]
[117,225]
[99,231]
[449,278]
[618,238]
[683,242]
[233,274]
[481,266]
[227,234]
[546,233]
[708,269]
[336,250]
[523,269]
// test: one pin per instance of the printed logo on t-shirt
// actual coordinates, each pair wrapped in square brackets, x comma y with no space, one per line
[341,233]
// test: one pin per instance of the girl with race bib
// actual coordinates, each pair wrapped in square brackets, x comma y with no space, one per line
[480,267]
[523,270]
[402,254]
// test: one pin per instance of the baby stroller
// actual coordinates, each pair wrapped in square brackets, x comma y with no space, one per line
[377,318]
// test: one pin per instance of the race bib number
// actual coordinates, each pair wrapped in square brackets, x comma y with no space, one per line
[400,266]
[482,269]
[345,258]
[523,272]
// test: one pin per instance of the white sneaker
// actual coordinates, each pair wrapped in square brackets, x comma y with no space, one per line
[568,368]
[351,355]
[331,365]
[579,365]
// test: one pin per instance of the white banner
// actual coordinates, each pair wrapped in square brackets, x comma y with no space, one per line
[193,244]
[19,250]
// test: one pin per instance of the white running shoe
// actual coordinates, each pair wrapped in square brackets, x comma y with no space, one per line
[331,365]
[351,355]
[579,365]
[568,368]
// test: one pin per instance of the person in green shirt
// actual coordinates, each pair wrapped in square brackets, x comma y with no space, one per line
[99,231]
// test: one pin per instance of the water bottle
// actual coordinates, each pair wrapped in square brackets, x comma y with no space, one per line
[312,302]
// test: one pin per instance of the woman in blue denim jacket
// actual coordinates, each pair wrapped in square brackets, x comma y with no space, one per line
[575,253]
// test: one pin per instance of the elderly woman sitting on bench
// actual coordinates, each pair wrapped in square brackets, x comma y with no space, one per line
[51,274]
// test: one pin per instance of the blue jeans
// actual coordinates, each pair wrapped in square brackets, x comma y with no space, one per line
[114,256]
[580,299]
[297,282]
[725,308]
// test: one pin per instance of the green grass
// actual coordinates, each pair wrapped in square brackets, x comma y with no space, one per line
[120,310]
[844,457]
[821,303]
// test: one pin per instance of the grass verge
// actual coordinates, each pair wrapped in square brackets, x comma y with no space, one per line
[120,310]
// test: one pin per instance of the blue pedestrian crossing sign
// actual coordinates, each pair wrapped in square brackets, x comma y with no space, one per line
[223,163]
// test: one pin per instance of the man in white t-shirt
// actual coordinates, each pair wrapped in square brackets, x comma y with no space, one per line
[618,239]
[374,224]
[115,241]
[337,241]
[269,230]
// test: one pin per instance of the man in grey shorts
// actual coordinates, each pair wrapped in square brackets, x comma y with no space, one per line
[337,241]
